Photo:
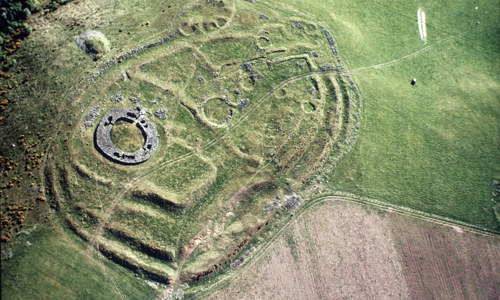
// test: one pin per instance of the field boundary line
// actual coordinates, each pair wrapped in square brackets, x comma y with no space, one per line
[438,219]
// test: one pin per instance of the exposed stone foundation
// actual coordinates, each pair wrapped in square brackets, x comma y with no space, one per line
[106,147]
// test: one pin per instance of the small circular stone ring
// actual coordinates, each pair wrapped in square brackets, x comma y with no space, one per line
[106,147]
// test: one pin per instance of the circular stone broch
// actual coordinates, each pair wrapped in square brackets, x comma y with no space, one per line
[108,149]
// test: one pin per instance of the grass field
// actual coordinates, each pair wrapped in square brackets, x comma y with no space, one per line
[258,107]
[127,136]
[54,266]
[432,146]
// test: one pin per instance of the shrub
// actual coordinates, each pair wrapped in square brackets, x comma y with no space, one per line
[94,43]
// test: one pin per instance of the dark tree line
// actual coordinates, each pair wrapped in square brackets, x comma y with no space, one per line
[14,24]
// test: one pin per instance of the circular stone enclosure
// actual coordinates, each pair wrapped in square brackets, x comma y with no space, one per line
[106,147]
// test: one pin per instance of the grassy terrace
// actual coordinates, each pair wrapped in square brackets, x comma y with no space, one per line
[257,110]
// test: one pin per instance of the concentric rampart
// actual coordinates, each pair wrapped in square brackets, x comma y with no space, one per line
[255,112]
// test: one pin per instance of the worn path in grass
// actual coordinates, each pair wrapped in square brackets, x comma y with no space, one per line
[427,48]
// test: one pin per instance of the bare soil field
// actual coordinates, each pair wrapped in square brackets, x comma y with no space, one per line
[342,250]
[444,263]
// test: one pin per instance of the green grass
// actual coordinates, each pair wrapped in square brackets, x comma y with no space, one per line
[433,146]
[126,136]
[55,267]
[216,110]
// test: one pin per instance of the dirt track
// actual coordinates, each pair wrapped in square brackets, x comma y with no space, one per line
[342,250]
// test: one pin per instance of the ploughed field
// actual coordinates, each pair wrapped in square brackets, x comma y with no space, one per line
[344,250]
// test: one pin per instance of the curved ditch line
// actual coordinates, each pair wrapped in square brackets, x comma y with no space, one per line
[313,203]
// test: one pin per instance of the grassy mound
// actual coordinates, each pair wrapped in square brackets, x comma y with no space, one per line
[94,43]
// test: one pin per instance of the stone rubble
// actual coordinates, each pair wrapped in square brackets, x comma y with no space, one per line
[243,103]
[117,98]
[161,114]
[88,121]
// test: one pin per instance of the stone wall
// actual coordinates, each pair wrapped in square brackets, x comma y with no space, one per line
[106,147]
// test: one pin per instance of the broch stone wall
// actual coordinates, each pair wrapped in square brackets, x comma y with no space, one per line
[106,147]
